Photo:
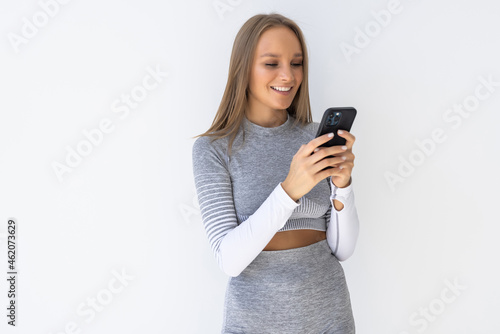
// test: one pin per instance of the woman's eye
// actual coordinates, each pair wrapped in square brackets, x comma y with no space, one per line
[292,64]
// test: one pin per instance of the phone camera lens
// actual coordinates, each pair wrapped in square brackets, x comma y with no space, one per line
[333,118]
[329,120]
[336,118]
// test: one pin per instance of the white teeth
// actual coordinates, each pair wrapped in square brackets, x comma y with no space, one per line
[281,89]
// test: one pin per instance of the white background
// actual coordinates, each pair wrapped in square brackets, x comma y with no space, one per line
[127,206]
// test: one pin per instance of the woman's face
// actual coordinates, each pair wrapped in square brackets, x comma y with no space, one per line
[276,72]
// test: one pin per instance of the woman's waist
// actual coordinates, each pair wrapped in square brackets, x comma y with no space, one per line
[290,239]
[295,265]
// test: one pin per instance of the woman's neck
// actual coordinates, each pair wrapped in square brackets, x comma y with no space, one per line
[268,118]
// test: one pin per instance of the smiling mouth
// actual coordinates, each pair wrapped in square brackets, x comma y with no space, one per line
[281,89]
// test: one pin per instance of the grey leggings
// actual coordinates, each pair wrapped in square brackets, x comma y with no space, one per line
[300,290]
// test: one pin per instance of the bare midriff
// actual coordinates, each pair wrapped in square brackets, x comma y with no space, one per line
[294,239]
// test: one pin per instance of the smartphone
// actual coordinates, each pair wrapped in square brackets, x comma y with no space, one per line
[334,119]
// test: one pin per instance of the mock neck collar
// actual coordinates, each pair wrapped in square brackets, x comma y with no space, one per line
[261,130]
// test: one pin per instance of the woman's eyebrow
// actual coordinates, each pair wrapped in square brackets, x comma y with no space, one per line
[268,54]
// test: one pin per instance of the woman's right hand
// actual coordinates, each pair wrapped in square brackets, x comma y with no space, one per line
[308,166]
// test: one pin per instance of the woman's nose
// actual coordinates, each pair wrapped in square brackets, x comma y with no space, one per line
[286,73]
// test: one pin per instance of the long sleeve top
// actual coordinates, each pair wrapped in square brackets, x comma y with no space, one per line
[242,201]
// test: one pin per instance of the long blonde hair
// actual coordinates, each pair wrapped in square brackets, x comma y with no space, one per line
[235,99]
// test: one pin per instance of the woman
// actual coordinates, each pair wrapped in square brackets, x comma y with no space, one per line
[277,221]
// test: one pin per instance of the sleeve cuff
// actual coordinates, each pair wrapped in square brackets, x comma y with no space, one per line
[340,192]
[285,199]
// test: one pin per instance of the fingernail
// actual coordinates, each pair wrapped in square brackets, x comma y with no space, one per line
[343,158]
[344,147]
[340,132]
[316,149]
[330,134]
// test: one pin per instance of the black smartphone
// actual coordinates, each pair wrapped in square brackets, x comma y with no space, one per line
[340,118]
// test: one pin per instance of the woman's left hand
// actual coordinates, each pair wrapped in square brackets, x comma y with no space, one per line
[341,172]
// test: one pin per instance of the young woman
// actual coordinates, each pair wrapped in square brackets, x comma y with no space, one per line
[277,221]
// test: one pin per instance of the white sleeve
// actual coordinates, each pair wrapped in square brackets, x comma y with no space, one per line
[343,229]
[234,246]
[241,245]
